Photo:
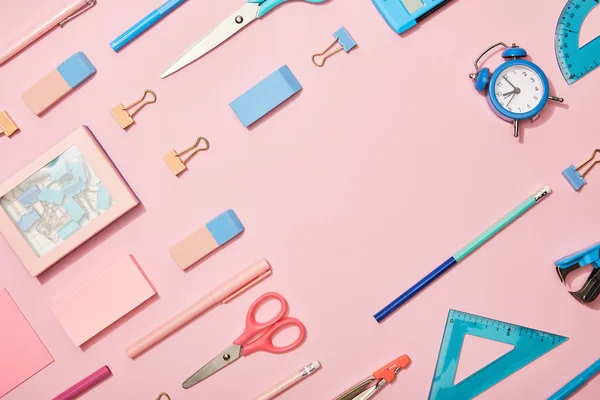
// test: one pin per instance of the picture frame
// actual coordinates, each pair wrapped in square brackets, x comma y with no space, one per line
[62,199]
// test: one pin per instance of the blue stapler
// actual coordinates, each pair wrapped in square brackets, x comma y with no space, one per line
[401,15]
[580,259]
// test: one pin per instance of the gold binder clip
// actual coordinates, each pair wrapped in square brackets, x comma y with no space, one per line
[163,394]
[122,114]
[7,125]
[174,160]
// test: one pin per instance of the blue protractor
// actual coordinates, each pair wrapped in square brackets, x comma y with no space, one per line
[574,61]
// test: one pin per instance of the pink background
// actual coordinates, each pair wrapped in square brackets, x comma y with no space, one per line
[386,164]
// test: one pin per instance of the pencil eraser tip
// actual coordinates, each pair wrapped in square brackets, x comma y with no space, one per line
[548,189]
[316,365]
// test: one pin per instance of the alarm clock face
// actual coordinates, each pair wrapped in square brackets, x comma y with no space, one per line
[520,89]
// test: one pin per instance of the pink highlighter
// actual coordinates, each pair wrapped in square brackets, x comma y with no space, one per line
[57,84]
[85,384]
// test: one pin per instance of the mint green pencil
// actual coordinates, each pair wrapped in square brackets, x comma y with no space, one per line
[462,253]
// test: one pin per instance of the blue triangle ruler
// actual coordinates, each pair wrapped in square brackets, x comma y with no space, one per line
[529,344]
[575,62]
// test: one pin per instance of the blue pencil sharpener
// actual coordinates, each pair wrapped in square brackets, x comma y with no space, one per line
[401,15]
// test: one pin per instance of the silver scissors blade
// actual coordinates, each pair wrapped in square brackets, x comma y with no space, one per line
[219,34]
[228,356]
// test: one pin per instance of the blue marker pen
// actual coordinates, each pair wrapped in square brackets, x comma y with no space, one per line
[577,382]
[146,23]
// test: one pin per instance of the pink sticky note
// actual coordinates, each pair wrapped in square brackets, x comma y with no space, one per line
[22,353]
[101,302]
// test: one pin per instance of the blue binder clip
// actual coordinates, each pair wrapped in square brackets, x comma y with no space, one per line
[577,179]
[345,42]
[580,259]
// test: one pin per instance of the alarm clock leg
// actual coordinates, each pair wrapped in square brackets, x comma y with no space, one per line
[559,99]
[516,125]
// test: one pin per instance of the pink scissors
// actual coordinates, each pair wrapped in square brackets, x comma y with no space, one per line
[256,337]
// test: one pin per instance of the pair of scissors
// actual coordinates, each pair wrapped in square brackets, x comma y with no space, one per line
[256,337]
[251,11]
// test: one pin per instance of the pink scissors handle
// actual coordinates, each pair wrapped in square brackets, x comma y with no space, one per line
[265,341]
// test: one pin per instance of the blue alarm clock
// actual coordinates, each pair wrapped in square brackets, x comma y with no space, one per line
[518,89]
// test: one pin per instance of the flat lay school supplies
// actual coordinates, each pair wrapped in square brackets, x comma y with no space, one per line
[60,82]
[575,59]
[517,90]
[581,259]
[463,253]
[373,384]
[222,294]
[291,381]
[257,336]
[59,18]
[122,114]
[60,200]
[85,384]
[529,344]
[249,12]
[101,302]
[575,177]
[401,15]
[7,125]
[146,23]
[344,42]
[566,391]
[265,96]
[176,163]
[22,352]
[207,239]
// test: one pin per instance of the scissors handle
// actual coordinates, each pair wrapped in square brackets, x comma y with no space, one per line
[253,327]
[268,5]
[265,341]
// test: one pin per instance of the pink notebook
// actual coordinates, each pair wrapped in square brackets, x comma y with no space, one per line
[22,353]
[101,302]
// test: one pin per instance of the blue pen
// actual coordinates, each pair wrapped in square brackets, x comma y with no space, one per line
[146,23]
[577,382]
[462,253]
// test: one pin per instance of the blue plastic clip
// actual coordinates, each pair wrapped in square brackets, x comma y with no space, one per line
[580,259]
[577,179]
[343,39]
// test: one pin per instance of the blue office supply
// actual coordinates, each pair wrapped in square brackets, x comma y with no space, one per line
[580,259]
[577,179]
[74,209]
[28,220]
[78,171]
[68,230]
[462,253]
[517,90]
[529,344]
[72,188]
[30,196]
[146,23]
[401,15]
[576,382]
[225,227]
[575,59]
[344,42]
[52,196]
[76,69]
[265,96]
[104,198]
[59,170]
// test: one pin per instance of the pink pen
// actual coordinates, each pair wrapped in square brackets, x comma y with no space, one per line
[84,384]
[222,294]
[59,18]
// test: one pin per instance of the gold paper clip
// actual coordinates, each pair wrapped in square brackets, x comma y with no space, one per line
[344,42]
[122,114]
[7,125]
[174,160]
[163,394]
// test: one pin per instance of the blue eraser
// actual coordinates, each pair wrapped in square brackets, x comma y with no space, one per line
[225,227]
[574,178]
[265,96]
[76,69]
[344,39]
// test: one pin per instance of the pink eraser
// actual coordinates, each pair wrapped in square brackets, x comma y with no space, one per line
[85,384]
[110,296]
[207,239]
[58,83]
